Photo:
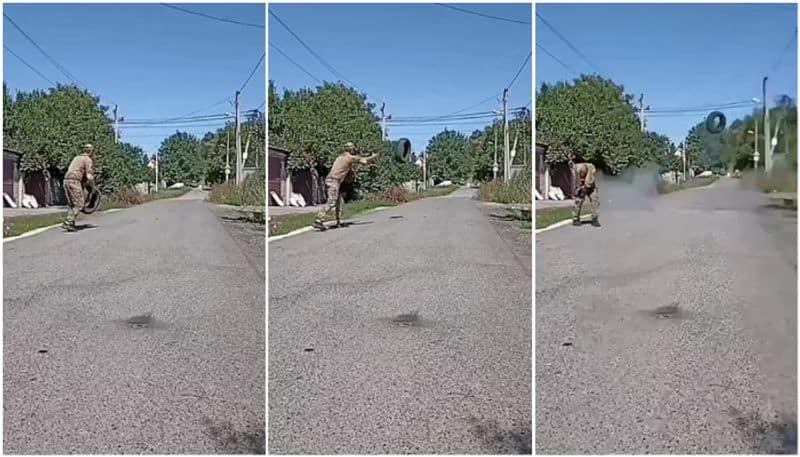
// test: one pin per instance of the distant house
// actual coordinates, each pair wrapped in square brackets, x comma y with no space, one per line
[47,186]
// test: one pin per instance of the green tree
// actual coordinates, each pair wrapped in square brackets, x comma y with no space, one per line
[180,159]
[591,119]
[449,157]
[316,123]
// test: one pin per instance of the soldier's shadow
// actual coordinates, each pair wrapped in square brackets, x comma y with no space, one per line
[348,224]
[81,227]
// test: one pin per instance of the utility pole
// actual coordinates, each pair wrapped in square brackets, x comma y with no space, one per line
[156,171]
[228,157]
[384,118]
[767,148]
[642,109]
[425,169]
[755,144]
[507,153]
[238,143]
[116,126]
[683,153]
[494,165]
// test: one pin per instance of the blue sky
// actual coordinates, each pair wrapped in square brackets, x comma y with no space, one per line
[153,61]
[678,55]
[420,59]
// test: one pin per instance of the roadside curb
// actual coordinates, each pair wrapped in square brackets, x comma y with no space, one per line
[308,229]
[44,229]
[560,224]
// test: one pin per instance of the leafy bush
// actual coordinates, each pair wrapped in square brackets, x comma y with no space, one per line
[396,194]
[518,190]
[252,192]
[128,197]
[780,180]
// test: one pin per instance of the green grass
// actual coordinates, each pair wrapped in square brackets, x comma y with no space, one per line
[281,225]
[667,187]
[17,225]
[549,216]
[434,192]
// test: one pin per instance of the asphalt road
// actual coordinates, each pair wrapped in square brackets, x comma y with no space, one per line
[345,378]
[79,379]
[670,329]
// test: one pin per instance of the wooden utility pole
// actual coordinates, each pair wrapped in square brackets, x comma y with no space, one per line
[384,118]
[767,133]
[228,156]
[238,143]
[506,145]
[494,165]
[642,109]
[116,126]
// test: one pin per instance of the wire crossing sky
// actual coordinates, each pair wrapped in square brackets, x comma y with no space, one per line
[425,61]
[158,62]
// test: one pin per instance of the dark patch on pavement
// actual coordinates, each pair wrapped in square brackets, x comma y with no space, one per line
[775,436]
[671,311]
[42,351]
[308,349]
[411,319]
[500,441]
[395,217]
[232,441]
[140,321]
[143,321]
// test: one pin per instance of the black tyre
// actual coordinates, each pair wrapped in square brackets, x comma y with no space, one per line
[715,122]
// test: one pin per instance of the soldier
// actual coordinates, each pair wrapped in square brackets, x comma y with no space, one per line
[80,174]
[584,175]
[343,169]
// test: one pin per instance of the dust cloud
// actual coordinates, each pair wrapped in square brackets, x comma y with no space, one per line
[634,189]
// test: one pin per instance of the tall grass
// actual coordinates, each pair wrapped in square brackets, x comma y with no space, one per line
[252,192]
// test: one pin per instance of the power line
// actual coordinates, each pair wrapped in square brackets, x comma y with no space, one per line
[568,43]
[555,58]
[253,72]
[785,51]
[29,66]
[216,18]
[476,13]
[308,48]
[295,63]
[520,70]
[51,59]
[728,105]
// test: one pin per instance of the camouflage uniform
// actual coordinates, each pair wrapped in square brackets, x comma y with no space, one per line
[343,170]
[586,189]
[79,174]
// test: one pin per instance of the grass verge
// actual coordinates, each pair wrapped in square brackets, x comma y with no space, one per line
[250,193]
[17,225]
[281,225]
[665,187]
[546,217]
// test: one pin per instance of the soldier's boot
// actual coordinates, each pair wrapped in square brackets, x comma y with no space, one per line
[576,222]
[320,225]
[596,222]
[69,226]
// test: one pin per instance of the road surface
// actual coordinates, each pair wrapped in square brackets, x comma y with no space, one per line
[349,374]
[82,375]
[670,329]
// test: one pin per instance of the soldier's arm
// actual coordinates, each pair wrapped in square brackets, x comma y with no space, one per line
[368,160]
[90,171]
[363,160]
